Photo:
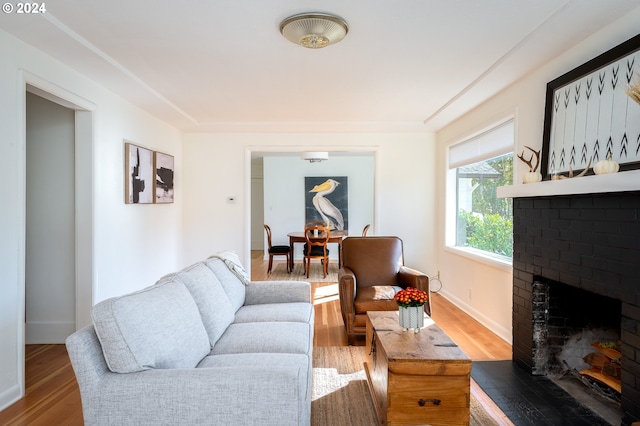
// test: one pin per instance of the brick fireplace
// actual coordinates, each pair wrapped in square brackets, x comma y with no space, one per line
[589,243]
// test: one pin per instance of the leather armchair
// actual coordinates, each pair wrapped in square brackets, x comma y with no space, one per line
[372,273]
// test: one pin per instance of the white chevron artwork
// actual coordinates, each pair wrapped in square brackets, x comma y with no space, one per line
[593,118]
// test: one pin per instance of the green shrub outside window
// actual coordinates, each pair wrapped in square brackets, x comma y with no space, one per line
[485,222]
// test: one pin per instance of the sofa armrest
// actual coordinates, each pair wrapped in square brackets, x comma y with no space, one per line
[259,292]
[87,359]
[221,395]
[408,277]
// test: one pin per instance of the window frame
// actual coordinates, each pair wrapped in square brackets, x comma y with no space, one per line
[451,199]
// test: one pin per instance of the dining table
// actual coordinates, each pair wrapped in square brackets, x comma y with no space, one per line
[335,237]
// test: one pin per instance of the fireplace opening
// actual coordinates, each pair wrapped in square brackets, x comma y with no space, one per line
[576,343]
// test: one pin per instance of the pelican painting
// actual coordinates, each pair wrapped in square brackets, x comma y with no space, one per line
[324,207]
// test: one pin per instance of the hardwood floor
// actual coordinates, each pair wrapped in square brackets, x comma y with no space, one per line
[52,395]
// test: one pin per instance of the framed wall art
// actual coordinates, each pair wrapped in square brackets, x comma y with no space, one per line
[590,117]
[326,201]
[139,174]
[163,165]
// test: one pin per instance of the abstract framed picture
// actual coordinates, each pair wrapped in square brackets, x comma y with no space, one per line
[163,165]
[590,117]
[326,201]
[138,188]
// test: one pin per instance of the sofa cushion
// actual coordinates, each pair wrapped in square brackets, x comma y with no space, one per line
[157,327]
[212,301]
[264,292]
[265,360]
[278,312]
[232,285]
[268,337]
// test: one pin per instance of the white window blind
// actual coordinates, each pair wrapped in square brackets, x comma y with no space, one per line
[492,143]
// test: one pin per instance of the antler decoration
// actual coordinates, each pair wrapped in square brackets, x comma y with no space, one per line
[633,90]
[530,160]
[582,173]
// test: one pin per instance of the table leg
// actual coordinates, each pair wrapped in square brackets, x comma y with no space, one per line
[291,257]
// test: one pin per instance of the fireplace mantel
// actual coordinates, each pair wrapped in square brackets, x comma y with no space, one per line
[615,182]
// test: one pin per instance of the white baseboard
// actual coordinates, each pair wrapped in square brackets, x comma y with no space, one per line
[502,332]
[42,333]
[10,396]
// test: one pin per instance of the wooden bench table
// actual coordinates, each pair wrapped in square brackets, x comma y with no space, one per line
[415,378]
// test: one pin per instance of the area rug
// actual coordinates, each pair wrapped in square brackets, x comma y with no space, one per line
[340,393]
[279,273]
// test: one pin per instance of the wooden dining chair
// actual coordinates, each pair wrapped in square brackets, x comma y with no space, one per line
[279,250]
[317,237]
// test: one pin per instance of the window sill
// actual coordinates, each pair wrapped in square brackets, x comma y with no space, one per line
[481,257]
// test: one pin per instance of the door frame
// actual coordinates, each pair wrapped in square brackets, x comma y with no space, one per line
[84,190]
[274,149]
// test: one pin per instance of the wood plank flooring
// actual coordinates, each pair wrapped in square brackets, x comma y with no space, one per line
[52,395]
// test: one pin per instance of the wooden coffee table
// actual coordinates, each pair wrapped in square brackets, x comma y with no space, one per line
[415,378]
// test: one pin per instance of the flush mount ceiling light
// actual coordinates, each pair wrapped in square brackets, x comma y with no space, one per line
[315,157]
[314,30]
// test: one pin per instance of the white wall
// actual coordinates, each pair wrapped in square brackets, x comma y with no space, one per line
[485,290]
[133,245]
[219,168]
[284,192]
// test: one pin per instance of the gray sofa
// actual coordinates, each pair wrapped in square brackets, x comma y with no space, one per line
[202,346]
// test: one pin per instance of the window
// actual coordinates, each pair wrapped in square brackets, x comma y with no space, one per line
[478,166]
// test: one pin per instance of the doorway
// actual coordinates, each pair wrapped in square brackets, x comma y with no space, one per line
[83,188]
[50,222]
[278,199]
[83,171]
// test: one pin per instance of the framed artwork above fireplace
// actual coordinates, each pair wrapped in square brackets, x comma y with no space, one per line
[590,117]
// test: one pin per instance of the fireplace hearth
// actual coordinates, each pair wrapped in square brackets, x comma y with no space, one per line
[578,259]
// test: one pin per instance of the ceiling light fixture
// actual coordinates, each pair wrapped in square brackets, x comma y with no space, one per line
[315,157]
[314,30]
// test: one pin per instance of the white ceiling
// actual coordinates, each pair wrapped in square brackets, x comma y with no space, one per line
[215,65]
